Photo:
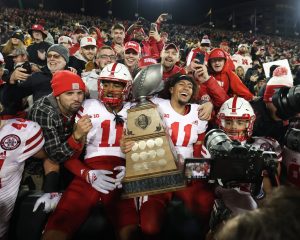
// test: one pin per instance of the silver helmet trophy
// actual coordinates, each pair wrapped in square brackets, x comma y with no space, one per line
[151,165]
[147,82]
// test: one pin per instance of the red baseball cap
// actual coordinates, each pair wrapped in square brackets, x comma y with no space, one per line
[38,28]
[133,45]
[171,45]
[146,61]
[224,43]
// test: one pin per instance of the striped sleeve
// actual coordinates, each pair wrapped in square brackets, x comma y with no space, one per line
[34,142]
[79,114]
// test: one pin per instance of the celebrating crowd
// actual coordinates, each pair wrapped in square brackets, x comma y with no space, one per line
[65,88]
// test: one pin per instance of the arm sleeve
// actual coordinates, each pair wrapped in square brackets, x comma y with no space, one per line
[77,167]
[198,145]
[238,88]
[15,92]
[34,142]
[214,90]
[59,151]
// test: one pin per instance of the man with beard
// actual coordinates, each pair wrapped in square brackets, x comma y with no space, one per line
[98,177]
[55,113]
[38,85]
[242,57]
[169,58]
[83,59]
[118,35]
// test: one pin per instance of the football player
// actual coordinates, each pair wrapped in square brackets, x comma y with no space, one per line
[98,177]
[236,117]
[187,132]
[19,140]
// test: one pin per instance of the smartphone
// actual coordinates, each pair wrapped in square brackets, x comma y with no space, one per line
[169,17]
[26,65]
[153,27]
[200,57]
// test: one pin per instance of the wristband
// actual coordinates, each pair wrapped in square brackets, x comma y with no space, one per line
[51,182]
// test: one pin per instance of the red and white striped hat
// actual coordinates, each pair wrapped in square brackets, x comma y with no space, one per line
[280,79]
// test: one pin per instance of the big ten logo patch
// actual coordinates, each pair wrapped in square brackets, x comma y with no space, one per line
[10,142]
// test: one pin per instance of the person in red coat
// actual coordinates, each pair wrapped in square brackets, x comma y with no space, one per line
[218,67]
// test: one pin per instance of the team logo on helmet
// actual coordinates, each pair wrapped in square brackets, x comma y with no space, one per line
[10,142]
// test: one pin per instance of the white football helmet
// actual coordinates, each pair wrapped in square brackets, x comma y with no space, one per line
[240,109]
[115,72]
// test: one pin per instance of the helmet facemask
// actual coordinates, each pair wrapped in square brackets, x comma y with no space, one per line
[235,113]
[113,97]
[118,74]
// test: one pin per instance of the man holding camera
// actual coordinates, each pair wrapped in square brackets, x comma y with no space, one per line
[151,45]
[269,123]
[22,84]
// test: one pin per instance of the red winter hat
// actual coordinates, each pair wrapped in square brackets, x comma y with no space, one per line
[64,81]
[280,79]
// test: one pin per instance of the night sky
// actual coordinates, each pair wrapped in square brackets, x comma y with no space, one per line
[183,11]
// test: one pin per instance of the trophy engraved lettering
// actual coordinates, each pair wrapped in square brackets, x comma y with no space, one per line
[151,165]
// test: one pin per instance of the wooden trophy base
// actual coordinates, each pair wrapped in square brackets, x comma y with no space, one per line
[151,164]
[153,184]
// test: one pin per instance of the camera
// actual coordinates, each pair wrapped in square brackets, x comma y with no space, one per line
[287,102]
[167,17]
[26,65]
[292,139]
[231,162]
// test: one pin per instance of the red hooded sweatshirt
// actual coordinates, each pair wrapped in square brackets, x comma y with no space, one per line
[227,79]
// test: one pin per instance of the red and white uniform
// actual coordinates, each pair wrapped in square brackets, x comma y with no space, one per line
[243,61]
[102,153]
[185,131]
[268,144]
[20,139]
[104,138]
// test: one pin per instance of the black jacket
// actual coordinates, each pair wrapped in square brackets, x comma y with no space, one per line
[264,125]
[33,52]
[37,85]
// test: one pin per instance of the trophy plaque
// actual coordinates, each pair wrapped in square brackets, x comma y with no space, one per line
[151,165]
